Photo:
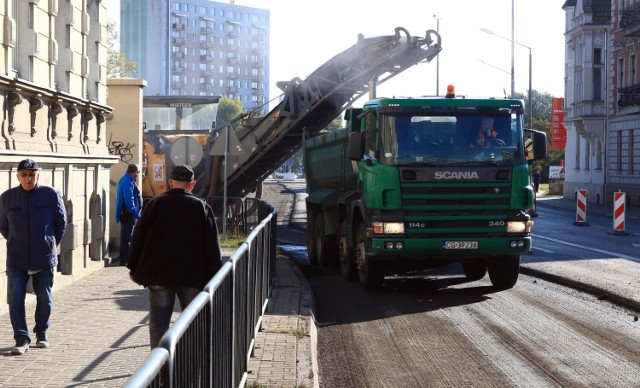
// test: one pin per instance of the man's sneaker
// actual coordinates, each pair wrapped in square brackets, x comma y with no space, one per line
[21,347]
[41,341]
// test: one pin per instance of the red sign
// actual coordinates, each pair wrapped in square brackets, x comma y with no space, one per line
[558,131]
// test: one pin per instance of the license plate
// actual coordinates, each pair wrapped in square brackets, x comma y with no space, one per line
[459,245]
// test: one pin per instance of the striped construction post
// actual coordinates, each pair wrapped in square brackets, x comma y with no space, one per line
[619,200]
[581,209]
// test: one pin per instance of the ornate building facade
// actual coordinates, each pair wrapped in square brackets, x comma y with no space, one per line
[53,90]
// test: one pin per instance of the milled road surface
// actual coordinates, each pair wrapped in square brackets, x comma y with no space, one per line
[419,333]
[435,329]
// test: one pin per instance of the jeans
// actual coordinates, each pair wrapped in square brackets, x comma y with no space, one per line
[42,284]
[126,230]
[161,300]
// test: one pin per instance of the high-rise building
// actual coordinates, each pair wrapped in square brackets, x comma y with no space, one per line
[198,48]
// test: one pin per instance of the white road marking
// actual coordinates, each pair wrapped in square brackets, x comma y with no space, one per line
[604,252]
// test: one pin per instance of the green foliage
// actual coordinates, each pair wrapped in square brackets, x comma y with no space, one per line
[118,66]
[541,105]
[229,110]
[335,124]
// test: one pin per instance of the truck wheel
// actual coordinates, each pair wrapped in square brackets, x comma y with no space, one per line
[503,271]
[345,254]
[474,271]
[326,247]
[370,274]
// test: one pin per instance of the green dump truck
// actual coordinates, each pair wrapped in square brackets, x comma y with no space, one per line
[413,182]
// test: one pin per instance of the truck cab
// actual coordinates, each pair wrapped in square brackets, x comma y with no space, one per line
[425,180]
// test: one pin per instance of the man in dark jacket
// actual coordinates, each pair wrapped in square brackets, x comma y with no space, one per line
[174,250]
[33,220]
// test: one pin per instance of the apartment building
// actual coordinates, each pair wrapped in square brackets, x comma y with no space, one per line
[602,99]
[53,90]
[199,48]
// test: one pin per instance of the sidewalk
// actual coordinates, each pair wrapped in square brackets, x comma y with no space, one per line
[99,335]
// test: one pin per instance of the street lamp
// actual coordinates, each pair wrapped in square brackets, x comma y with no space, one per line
[437,59]
[512,75]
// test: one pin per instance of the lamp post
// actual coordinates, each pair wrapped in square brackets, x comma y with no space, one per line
[437,58]
[530,95]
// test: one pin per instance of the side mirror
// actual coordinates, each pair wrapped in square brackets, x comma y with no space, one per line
[355,148]
[539,144]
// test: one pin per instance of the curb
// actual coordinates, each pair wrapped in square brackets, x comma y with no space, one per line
[598,292]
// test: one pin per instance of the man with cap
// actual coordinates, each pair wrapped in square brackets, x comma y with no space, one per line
[128,208]
[175,249]
[33,219]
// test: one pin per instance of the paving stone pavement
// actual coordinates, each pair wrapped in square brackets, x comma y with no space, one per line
[99,335]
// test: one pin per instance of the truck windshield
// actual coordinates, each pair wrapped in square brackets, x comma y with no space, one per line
[408,139]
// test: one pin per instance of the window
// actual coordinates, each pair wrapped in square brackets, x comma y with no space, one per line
[176,6]
[632,70]
[577,156]
[597,83]
[597,56]
[620,72]
[631,147]
[619,149]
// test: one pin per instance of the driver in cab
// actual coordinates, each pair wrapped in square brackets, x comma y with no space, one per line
[487,135]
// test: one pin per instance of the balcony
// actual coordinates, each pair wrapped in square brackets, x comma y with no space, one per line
[178,69]
[629,96]
[205,86]
[205,72]
[178,41]
[206,44]
[232,89]
[177,55]
[630,20]
[206,30]
[233,34]
[177,84]
[233,60]
[178,26]
[206,58]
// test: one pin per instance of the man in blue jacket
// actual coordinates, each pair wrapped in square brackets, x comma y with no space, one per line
[33,220]
[128,208]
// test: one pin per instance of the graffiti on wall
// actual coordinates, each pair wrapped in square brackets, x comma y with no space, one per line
[117,147]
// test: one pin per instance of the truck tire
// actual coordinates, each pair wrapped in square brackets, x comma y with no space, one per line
[474,270]
[370,273]
[345,254]
[503,271]
[326,247]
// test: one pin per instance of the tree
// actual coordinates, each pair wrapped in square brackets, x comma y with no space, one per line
[229,110]
[118,66]
[335,124]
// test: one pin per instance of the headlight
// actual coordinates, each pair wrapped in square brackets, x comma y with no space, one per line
[519,226]
[516,227]
[388,227]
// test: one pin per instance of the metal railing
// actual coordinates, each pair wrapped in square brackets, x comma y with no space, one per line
[211,342]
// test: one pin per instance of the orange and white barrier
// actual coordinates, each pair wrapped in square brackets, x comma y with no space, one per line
[581,209]
[619,200]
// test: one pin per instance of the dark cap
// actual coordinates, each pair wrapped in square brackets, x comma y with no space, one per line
[28,164]
[182,173]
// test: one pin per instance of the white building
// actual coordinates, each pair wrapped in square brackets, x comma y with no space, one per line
[602,99]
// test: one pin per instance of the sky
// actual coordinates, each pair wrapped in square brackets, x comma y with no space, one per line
[305,34]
